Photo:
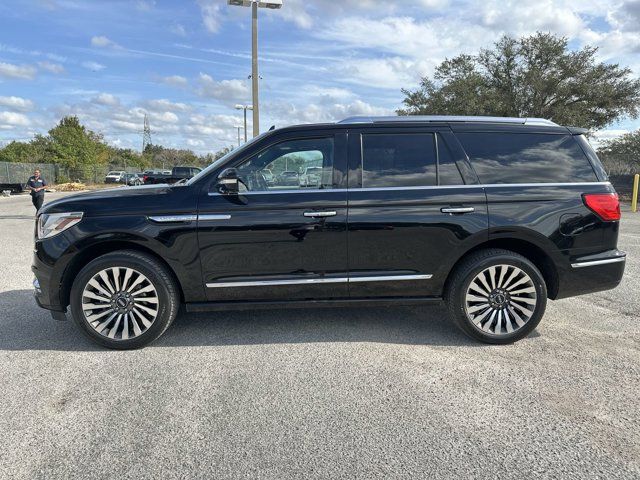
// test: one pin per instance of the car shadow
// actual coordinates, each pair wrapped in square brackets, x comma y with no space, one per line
[25,326]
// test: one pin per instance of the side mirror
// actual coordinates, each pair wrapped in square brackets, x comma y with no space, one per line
[228,182]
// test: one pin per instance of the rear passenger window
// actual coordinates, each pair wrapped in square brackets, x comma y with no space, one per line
[526,158]
[398,160]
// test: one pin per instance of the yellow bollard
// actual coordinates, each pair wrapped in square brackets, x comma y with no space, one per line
[634,195]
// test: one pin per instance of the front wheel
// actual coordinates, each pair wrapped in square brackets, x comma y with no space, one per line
[124,299]
[496,296]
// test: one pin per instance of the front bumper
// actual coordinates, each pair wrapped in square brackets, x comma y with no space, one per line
[592,273]
[47,280]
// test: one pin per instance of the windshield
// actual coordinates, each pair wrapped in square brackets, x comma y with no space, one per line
[223,159]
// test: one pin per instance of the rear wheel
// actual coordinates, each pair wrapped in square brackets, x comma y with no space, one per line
[124,299]
[496,296]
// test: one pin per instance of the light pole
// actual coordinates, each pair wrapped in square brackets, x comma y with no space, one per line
[255,4]
[238,127]
[245,108]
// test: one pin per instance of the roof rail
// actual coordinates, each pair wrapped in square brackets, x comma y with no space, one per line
[449,119]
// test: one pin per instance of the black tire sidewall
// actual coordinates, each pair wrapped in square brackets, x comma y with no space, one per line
[474,268]
[143,264]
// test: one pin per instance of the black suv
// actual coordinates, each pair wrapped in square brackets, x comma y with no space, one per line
[492,215]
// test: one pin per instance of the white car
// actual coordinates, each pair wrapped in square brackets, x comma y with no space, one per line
[117,176]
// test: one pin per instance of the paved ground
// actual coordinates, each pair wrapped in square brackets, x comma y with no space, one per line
[370,393]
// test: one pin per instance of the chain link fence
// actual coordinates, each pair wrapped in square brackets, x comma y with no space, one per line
[19,173]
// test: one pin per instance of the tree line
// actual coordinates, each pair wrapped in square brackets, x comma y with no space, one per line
[74,147]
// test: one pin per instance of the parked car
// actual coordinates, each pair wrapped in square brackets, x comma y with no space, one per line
[492,215]
[133,179]
[175,175]
[311,177]
[116,176]
[268,176]
[288,178]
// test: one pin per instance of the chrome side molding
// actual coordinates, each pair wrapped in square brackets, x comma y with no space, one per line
[593,263]
[211,217]
[309,281]
[173,218]
[187,218]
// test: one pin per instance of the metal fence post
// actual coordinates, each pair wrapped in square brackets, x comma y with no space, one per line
[634,194]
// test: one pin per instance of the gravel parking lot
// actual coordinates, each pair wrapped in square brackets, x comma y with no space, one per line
[332,393]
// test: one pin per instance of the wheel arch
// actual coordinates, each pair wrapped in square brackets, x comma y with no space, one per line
[533,252]
[96,250]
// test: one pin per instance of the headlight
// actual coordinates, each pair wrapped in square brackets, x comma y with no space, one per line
[54,223]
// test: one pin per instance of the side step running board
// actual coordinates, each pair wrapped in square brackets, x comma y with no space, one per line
[310,304]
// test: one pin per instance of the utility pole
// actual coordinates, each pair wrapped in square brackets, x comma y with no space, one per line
[254,68]
[254,4]
[245,108]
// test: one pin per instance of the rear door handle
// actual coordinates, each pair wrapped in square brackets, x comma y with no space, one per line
[457,209]
[322,214]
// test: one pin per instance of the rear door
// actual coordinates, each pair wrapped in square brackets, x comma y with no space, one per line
[278,241]
[414,207]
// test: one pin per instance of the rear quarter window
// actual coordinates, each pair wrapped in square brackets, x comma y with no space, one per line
[499,157]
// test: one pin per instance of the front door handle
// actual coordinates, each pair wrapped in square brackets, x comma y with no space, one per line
[322,214]
[457,209]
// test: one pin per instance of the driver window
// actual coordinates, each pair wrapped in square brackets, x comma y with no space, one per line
[290,165]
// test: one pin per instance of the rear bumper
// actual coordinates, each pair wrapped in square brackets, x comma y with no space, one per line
[592,273]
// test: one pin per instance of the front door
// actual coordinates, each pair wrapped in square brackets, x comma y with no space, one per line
[283,236]
[415,207]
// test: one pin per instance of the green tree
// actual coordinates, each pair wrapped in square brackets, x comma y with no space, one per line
[535,76]
[72,145]
[17,152]
[627,145]
[129,158]
[621,156]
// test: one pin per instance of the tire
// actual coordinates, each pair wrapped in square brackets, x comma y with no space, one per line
[496,296]
[130,291]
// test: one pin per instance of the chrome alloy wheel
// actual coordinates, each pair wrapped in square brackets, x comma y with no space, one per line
[120,303]
[500,299]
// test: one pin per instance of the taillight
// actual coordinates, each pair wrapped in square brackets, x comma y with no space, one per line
[605,205]
[144,178]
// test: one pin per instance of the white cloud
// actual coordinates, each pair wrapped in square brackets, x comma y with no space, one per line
[9,70]
[164,105]
[51,67]
[225,90]
[16,103]
[145,5]
[527,16]
[193,142]
[13,119]
[127,126]
[626,16]
[178,29]
[392,72]
[599,137]
[175,81]
[106,99]
[211,14]
[103,42]
[165,117]
[94,66]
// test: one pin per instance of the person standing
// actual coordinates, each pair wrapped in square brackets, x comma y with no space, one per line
[36,184]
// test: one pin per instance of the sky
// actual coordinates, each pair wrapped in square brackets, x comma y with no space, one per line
[186,64]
